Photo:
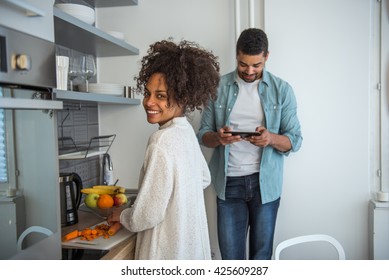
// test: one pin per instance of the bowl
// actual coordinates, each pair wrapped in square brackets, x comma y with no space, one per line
[105,213]
[82,12]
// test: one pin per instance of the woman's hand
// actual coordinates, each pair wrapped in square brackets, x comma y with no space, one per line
[115,216]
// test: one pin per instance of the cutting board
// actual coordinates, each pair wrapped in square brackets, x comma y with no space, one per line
[100,243]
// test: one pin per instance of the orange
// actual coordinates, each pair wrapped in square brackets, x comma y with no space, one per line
[105,201]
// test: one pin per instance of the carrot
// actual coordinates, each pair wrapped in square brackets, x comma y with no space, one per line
[71,235]
[114,228]
[88,234]
[86,231]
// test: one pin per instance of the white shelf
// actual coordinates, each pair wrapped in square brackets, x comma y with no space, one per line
[75,34]
[74,96]
[111,3]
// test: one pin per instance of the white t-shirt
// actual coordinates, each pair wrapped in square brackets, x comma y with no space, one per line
[246,115]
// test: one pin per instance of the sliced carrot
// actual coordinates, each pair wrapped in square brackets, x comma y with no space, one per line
[88,234]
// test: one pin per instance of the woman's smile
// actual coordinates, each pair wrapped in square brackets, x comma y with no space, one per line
[159,106]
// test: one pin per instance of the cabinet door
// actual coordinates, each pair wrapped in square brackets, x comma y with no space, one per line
[36,157]
[16,14]
[11,224]
[381,234]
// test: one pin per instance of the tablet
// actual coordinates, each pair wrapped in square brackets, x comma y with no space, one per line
[244,134]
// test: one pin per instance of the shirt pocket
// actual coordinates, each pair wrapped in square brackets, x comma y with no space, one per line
[273,117]
[220,115]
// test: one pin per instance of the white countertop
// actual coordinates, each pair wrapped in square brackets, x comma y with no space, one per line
[88,219]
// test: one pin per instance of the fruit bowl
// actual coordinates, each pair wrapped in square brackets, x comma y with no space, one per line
[105,213]
[99,197]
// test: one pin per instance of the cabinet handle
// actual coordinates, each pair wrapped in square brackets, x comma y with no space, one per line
[31,10]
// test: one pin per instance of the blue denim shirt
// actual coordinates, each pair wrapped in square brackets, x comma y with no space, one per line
[280,109]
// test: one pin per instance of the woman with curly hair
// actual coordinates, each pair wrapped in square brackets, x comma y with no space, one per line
[169,212]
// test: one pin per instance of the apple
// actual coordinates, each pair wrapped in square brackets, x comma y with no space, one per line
[91,200]
[119,199]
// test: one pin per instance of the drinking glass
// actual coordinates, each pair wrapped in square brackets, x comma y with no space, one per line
[74,69]
[88,69]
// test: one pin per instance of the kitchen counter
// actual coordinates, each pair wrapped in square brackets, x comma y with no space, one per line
[123,249]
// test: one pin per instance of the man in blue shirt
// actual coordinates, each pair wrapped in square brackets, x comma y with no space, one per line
[247,171]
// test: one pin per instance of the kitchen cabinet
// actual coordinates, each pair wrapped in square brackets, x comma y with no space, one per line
[37,200]
[33,17]
[378,230]
[12,224]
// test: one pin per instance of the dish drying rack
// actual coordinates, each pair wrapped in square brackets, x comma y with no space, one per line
[97,145]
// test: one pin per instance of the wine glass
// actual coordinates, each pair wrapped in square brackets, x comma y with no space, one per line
[88,68]
[74,69]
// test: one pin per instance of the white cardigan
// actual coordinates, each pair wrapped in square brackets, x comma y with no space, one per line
[169,212]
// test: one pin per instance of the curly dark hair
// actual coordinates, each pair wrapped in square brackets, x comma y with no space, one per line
[252,41]
[191,72]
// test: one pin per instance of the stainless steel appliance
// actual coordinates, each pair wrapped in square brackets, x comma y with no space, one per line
[26,60]
[70,185]
[27,77]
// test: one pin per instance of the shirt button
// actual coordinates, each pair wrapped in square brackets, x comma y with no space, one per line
[229,109]
[275,107]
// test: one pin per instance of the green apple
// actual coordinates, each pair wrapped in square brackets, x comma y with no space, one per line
[119,199]
[91,200]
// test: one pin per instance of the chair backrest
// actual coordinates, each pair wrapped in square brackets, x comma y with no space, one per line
[29,230]
[310,238]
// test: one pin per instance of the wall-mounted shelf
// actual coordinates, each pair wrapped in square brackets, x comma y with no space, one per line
[75,34]
[111,3]
[73,96]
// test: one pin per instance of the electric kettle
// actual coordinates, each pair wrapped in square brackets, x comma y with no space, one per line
[70,186]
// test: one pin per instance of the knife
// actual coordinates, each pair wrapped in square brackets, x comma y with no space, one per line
[85,242]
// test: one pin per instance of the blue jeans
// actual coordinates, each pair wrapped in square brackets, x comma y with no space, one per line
[242,213]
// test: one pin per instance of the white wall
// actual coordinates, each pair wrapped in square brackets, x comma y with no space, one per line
[322,50]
